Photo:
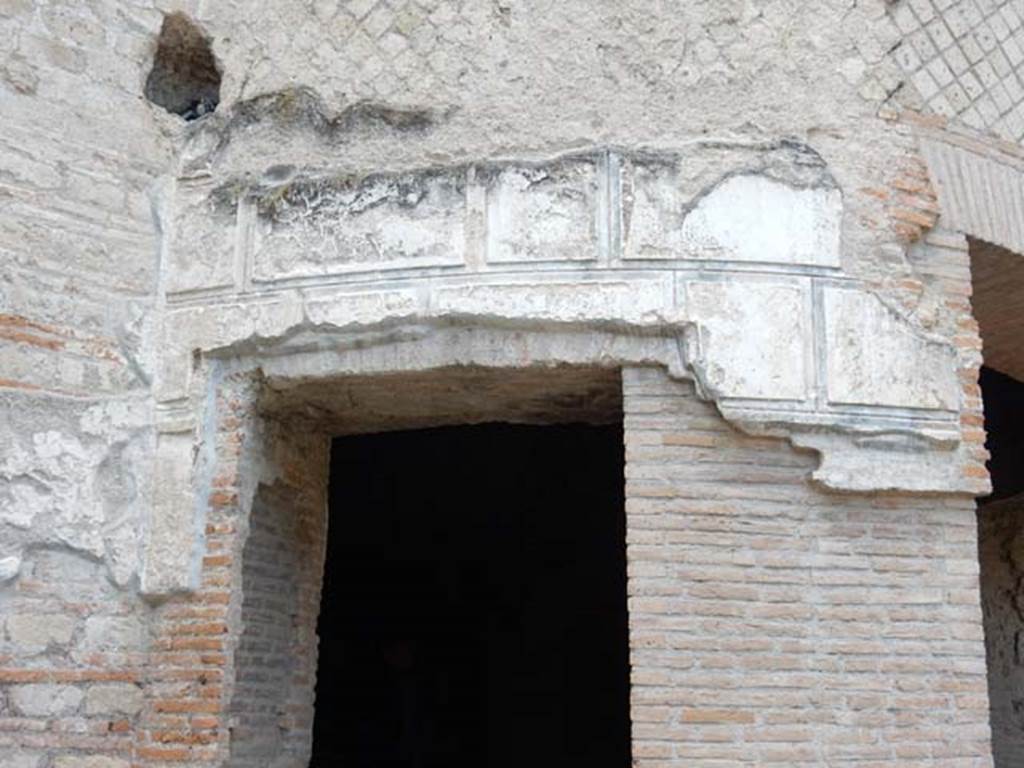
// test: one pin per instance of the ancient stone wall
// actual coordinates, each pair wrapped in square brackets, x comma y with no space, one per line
[501,179]
[769,621]
[73,665]
[79,257]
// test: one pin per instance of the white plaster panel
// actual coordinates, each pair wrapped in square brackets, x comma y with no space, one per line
[548,213]
[379,223]
[753,338]
[654,208]
[171,532]
[201,241]
[745,218]
[875,357]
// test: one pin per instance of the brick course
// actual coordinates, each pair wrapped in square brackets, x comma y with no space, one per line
[68,640]
[271,710]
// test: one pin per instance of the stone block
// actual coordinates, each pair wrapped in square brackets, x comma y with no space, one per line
[21,760]
[119,699]
[349,309]
[171,539]
[647,301]
[44,700]
[36,632]
[90,761]
[114,633]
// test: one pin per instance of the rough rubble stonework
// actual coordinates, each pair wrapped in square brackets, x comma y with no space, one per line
[750,217]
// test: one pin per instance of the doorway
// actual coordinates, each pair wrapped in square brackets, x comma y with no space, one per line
[998,283]
[474,600]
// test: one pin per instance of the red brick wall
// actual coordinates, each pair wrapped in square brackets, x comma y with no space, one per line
[271,710]
[772,623]
[233,666]
[72,665]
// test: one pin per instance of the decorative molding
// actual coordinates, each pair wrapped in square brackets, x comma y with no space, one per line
[537,264]
[981,194]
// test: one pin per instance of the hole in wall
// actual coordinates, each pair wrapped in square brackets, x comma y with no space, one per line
[185,79]
[474,602]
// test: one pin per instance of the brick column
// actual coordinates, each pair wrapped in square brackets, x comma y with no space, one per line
[771,622]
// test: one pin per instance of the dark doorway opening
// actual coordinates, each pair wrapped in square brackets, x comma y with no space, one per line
[1003,398]
[474,603]
[1001,556]
[998,284]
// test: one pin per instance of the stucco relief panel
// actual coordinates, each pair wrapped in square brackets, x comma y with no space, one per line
[736,274]
[382,222]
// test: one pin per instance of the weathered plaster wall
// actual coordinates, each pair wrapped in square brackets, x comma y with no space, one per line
[446,84]
[79,258]
[628,58]
[80,153]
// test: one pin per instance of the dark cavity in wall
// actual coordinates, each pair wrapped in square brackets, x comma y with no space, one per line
[1001,556]
[997,277]
[185,79]
[474,602]
[1003,397]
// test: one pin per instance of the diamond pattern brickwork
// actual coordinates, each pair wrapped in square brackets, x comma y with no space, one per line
[966,59]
